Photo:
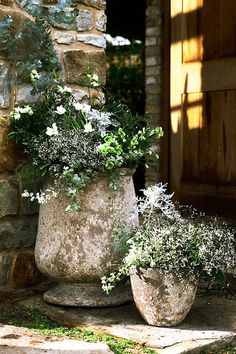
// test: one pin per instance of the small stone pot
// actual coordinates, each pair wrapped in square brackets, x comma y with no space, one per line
[161,299]
[76,249]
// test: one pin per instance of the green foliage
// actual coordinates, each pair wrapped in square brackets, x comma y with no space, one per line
[33,318]
[67,141]
[30,48]
[125,74]
[72,142]
[187,246]
[5,33]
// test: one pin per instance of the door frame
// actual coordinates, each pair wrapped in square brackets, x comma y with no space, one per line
[165,93]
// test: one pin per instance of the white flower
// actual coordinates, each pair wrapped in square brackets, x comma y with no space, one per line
[88,128]
[84,107]
[26,109]
[52,131]
[25,194]
[60,110]
[93,80]
[78,106]
[15,115]
[95,77]
[64,89]
[34,75]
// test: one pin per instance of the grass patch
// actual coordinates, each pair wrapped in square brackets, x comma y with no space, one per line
[33,318]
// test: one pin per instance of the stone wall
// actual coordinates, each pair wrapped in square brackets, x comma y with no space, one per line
[153,48]
[80,44]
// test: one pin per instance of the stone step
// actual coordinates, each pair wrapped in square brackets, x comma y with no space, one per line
[22,341]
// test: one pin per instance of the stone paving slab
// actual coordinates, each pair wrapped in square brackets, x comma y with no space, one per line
[210,323]
[22,341]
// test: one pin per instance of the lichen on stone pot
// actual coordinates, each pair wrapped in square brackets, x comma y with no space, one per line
[76,249]
[162,299]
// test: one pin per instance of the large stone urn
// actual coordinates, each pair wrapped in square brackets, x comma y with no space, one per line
[76,249]
[162,299]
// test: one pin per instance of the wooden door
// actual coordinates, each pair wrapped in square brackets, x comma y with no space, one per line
[203,103]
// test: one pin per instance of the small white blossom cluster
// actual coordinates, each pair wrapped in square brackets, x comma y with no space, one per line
[71,142]
[96,120]
[93,78]
[16,113]
[34,75]
[156,199]
[41,197]
[64,89]
[189,247]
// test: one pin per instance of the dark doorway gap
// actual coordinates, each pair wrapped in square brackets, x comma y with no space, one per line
[127,19]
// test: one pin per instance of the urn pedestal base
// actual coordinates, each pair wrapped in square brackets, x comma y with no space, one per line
[87,295]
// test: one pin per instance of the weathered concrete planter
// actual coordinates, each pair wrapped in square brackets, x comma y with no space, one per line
[75,249]
[162,299]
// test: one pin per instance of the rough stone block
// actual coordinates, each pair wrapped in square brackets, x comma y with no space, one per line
[68,38]
[18,22]
[77,61]
[4,86]
[152,51]
[96,96]
[153,99]
[153,89]
[152,70]
[8,155]
[101,22]
[152,31]
[18,234]
[96,40]
[84,21]
[151,41]
[24,95]
[154,2]
[24,271]
[6,2]
[152,108]
[153,21]
[156,80]
[9,204]
[80,94]
[153,10]
[99,4]
[151,80]
[151,61]
[65,19]
[5,268]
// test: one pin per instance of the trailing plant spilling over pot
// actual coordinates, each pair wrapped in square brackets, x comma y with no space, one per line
[86,153]
[168,254]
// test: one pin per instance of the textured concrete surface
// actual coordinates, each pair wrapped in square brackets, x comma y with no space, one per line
[211,323]
[20,341]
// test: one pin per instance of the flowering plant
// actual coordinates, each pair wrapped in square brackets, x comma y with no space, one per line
[187,245]
[71,142]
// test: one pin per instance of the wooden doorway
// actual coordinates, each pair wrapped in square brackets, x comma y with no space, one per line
[202,145]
